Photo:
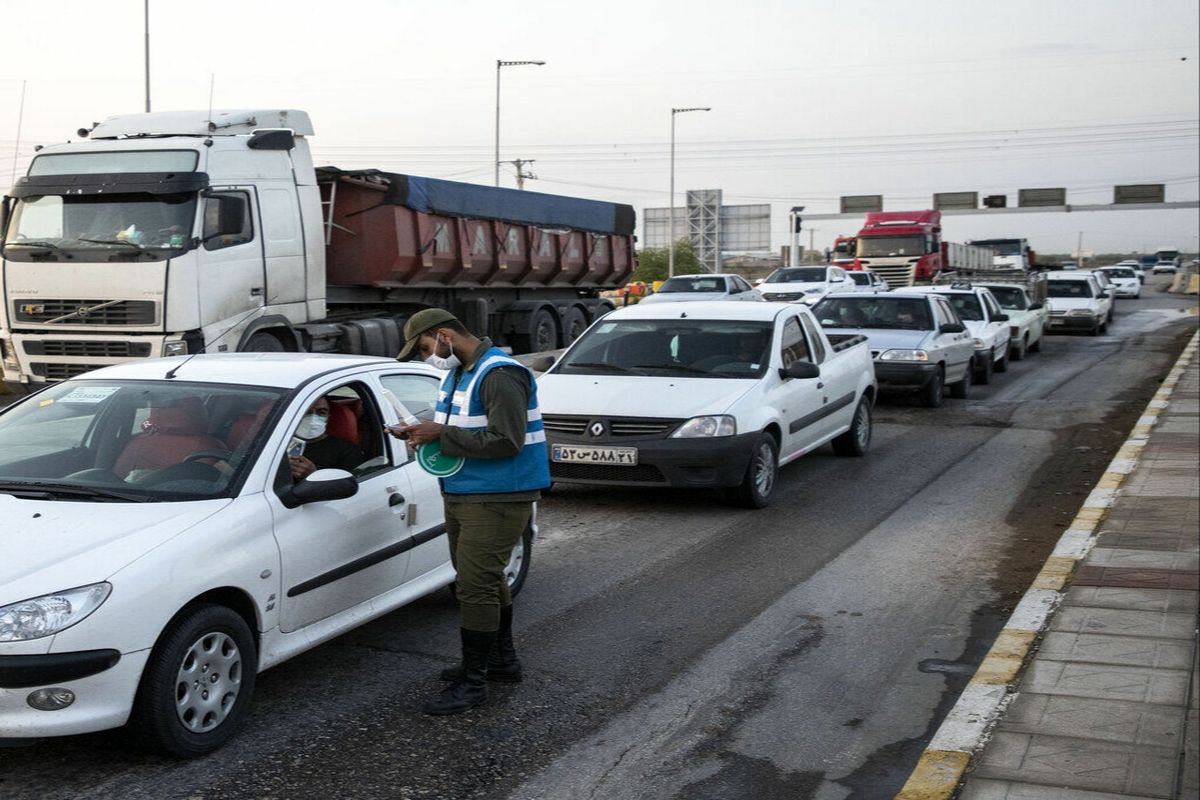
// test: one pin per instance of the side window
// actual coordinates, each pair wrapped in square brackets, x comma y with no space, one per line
[794,348]
[353,435]
[818,346]
[993,309]
[943,313]
[838,275]
[734,288]
[227,220]
[416,393]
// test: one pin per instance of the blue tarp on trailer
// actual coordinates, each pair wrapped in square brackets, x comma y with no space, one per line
[451,198]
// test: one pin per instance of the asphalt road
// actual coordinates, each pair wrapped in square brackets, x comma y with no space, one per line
[678,648]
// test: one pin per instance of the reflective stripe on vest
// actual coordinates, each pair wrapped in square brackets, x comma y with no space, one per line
[461,405]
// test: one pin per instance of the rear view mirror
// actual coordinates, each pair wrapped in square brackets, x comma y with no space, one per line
[802,370]
[952,327]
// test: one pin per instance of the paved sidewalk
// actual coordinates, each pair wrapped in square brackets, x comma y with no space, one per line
[1107,707]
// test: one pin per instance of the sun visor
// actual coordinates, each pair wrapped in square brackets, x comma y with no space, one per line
[110,183]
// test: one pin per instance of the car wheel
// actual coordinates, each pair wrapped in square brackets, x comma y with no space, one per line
[961,389]
[197,684]
[983,372]
[761,473]
[519,562]
[1002,364]
[934,391]
[1017,353]
[856,441]
[1036,347]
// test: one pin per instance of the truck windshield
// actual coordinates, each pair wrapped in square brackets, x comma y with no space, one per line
[881,246]
[136,441]
[1001,247]
[797,275]
[147,226]
[876,311]
[675,347]
[1010,297]
[1068,289]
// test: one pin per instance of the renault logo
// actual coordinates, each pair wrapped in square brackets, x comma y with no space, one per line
[596,428]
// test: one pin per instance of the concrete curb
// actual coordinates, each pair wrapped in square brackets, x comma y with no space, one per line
[965,729]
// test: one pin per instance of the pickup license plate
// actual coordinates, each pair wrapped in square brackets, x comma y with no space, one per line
[613,456]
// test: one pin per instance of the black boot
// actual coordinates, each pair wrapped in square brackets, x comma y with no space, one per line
[503,665]
[471,690]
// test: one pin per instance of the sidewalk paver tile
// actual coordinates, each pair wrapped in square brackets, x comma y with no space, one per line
[1134,651]
[1090,718]
[1164,600]
[1151,559]
[1123,622]
[984,789]
[1107,681]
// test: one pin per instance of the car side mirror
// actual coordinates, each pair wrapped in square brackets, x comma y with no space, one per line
[1106,293]
[802,370]
[320,487]
[1000,318]
[1037,306]
[542,363]
[952,327]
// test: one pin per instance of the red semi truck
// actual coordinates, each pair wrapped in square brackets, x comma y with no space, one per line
[906,248]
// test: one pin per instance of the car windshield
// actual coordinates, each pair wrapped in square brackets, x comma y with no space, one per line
[1120,273]
[1001,247]
[875,311]
[675,347]
[688,283]
[1009,297]
[141,441]
[797,275]
[1068,289]
[967,305]
[876,246]
[127,226]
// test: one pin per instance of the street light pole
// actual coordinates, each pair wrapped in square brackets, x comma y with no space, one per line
[147,14]
[671,244]
[500,64]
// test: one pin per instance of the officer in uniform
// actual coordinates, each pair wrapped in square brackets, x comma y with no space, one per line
[487,412]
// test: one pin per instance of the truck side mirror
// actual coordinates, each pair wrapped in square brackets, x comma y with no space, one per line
[802,370]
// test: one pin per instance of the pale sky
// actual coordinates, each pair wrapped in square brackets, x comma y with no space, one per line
[811,100]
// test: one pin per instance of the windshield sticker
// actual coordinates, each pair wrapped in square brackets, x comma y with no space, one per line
[89,394]
[45,403]
[606,327]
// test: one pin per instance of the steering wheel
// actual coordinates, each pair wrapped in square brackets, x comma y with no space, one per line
[217,453]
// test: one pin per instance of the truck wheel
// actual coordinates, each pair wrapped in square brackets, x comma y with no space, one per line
[934,390]
[1017,353]
[543,332]
[575,322]
[856,441]
[263,342]
[761,473]
[197,683]
[983,372]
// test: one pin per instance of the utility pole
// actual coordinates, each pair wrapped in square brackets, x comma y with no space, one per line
[499,65]
[811,232]
[147,9]
[1079,251]
[522,176]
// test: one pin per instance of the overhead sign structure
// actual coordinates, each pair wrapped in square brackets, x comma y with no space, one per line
[1038,198]
[1139,193]
[947,200]
[861,203]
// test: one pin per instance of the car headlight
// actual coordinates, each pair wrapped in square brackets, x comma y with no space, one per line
[904,355]
[979,345]
[704,427]
[50,613]
[1080,312]
[175,349]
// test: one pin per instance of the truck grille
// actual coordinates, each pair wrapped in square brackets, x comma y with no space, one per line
[125,312]
[641,473]
[61,372]
[896,276]
[614,426]
[88,349]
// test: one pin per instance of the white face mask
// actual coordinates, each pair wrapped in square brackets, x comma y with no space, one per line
[448,362]
[311,427]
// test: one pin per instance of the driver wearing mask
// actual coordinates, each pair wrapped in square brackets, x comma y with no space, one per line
[321,451]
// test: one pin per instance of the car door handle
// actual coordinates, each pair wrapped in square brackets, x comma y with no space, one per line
[820,386]
[395,499]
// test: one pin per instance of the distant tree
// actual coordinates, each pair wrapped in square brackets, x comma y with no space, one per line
[653,262]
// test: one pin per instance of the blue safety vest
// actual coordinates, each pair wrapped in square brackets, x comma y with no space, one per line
[463,403]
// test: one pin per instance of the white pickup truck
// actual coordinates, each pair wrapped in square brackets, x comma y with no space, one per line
[704,395]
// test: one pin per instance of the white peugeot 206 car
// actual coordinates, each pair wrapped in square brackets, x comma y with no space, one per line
[158,554]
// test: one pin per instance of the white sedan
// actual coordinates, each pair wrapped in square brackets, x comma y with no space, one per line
[805,284]
[158,551]
[695,288]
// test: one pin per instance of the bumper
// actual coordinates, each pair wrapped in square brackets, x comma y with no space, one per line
[1127,291]
[682,463]
[103,699]
[1071,323]
[903,374]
